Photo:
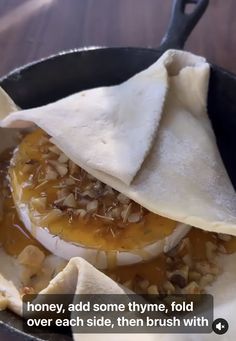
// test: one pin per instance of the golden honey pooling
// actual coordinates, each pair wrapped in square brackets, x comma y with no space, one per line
[76,206]
[13,235]
[188,268]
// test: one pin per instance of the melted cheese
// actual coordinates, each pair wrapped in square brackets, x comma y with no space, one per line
[93,232]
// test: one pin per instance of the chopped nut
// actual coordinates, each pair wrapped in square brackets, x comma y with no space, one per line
[90,193]
[97,186]
[206,268]
[194,276]
[152,290]
[43,149]
[169,288]
[42,140]
[62,193]
[143,283]
[109,190]
[50,174]
[48,156]
[52,216]
[72,167]
[82,213]
[70,201]
[85,193]
[169,260]
[69,181]
[92,206]
[115,212]
[31,256]
[134,217]
[183,247]
[191,288]
[211,251]
[62,158]
[60,168]
[83,202]
[205,280]
[187,259]
[90,177]
[54,150]
[123,199]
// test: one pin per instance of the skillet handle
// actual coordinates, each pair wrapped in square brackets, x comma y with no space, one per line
[181,23]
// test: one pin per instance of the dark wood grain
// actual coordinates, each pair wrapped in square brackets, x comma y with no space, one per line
[32,29]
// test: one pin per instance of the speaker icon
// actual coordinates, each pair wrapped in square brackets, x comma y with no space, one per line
[220,326]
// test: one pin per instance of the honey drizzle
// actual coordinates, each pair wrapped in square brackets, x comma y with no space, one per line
[145,255]
[111,259]
[92,230]
[13,235]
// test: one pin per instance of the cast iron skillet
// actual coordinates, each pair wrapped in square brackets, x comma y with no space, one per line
[68,72]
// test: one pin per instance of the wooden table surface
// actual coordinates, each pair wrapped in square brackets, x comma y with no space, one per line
[33,29]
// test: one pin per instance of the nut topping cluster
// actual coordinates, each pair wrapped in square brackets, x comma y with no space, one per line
[78,194]
[184,273]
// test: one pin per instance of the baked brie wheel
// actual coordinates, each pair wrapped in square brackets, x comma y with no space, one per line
[188,267]
[71,213]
